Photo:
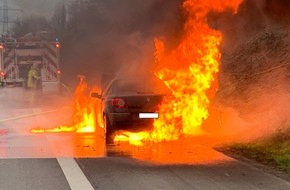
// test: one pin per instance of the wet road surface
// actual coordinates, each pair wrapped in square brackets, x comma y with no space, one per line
[83,161]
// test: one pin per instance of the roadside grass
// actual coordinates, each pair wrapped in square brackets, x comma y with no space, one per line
[273,151]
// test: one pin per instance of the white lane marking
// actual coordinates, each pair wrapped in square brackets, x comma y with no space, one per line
[148,115]
[74,175]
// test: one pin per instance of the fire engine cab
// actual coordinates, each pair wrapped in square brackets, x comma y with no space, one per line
[18,54]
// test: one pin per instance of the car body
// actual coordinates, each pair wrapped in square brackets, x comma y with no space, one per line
[124,99]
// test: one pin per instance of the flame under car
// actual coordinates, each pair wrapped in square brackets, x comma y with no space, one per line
[130,103]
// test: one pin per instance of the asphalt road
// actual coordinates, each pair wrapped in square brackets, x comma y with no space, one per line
[82,161]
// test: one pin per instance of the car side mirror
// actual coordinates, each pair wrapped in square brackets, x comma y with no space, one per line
[96,95]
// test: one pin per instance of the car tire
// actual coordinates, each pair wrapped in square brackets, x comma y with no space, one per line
[109,130]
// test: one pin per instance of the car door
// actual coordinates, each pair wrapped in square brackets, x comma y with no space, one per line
[104,96]
[101,104]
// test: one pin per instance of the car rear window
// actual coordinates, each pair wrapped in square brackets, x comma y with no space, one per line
[142,86]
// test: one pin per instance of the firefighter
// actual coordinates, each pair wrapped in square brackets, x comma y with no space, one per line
[32,81]
[32,78]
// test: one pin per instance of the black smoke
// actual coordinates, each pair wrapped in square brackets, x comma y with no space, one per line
[104,36]
[252,17]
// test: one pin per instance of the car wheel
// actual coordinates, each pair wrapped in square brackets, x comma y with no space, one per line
[108,130]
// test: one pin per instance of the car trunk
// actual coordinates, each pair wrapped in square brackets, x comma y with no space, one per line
[143,103]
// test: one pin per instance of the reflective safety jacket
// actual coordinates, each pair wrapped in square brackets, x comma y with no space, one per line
[32,78]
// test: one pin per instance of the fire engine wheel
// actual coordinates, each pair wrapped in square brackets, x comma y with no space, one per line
[108,130]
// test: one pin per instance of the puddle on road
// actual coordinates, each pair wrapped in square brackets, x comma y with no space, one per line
[52,145]
[187,150]
[18,142]
[77,145]
[190,150]
[21,143]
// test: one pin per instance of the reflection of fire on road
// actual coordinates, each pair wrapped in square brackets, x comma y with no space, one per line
[83,117]
[189,72]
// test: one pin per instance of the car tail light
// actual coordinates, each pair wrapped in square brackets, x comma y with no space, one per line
[2,73]
[119,103]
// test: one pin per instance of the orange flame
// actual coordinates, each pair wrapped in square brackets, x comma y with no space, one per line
[190,72]
[84,113]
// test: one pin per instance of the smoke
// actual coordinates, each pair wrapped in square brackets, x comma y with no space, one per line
[117,37]
[262,115]
[34,7]
[253,17]
[253,96]
[112,36]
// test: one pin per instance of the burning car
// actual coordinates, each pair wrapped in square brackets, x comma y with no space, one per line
[130,102]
